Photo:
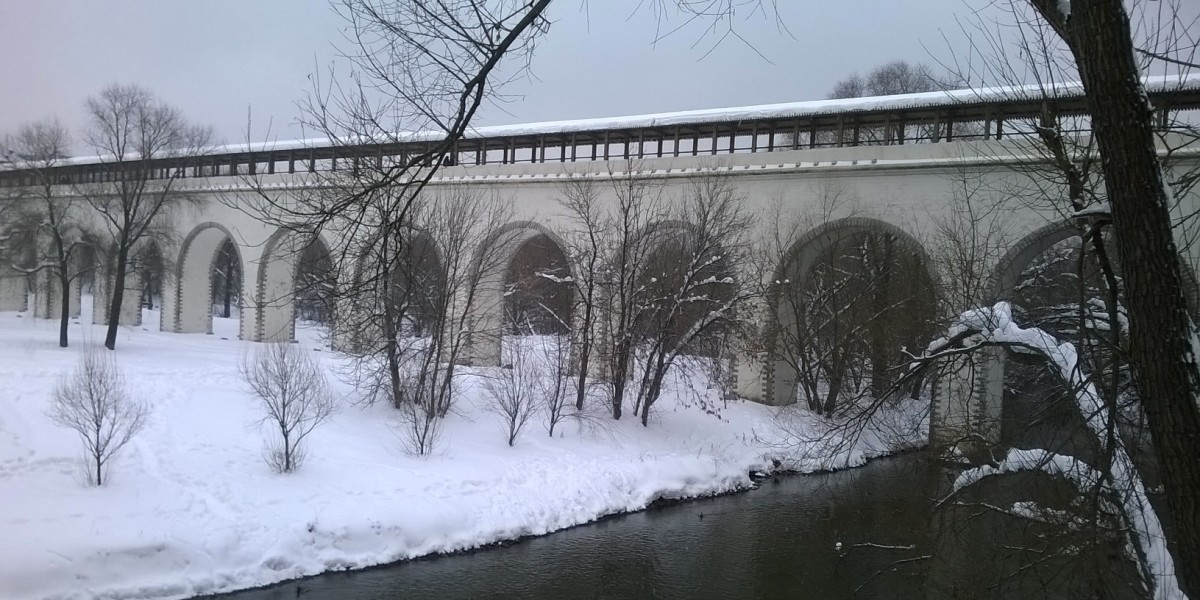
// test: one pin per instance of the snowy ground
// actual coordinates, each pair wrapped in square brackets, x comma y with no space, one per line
[191,507]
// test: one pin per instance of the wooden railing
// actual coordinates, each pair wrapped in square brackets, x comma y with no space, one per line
[710,134]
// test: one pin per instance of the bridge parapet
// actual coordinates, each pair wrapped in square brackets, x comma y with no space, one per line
[904,120]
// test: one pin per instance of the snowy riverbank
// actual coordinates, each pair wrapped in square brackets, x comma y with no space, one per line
[192,508]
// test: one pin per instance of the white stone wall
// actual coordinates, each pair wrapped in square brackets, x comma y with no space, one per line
[904,187]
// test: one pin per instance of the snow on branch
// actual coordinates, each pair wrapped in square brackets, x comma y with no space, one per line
[994,327]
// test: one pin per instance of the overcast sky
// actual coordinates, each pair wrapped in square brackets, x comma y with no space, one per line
[216,58]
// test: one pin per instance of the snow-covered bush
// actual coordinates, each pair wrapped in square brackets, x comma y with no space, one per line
[92,400]
[294,399]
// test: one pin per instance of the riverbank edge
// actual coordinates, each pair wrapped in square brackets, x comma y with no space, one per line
[755,477]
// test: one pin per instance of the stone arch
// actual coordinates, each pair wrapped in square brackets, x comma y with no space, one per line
[316,272]
[780,375]
[491,262]
[537,291]
[984,414]
[1005,275]
[670,243]
[422,281]
[419,268]
[275,284]
[152,267]
[193,278]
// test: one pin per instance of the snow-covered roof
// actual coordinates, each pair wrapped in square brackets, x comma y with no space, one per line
[785,110]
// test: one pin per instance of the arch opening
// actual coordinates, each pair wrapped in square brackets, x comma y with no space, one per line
[293,289]
[209,283]
[537,289]
[149,263]
[682,283]
[1056,282]
[1055,290]
[850,297]
[315,280]
[418,288]
[226,277]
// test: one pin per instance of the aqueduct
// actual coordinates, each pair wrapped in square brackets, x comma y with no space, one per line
[896,166]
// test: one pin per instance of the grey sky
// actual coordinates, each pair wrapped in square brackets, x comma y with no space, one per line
[215,58]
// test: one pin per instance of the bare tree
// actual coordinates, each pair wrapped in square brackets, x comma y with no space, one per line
[93,401]
[580,201]
[633,230]
[892,78]
[694,295]
[512,391]
[896,77]
[130,127]
[406,260]
[293,397]
[1163,347]
[1114,186]
[47,236]
[416,424]
[552,355]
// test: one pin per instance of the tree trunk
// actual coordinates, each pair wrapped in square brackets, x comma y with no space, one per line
[64,283]
[652,395]
[118,295]
[390,350]
[585,351]
[1161,352]
[228,285]
[618,396]
[287,454]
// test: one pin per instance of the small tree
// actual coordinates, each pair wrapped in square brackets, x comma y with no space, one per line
[554,386]
[416,424]
[294,398]
[585,245]
[511,392]
[93,401]
[47,231]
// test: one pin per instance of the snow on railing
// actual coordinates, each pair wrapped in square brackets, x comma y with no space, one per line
[929,117]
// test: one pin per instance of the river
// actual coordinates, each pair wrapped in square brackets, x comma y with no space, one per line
[780,540]
[873,532]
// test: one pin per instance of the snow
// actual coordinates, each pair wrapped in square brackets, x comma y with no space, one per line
[192,508]
[1064,9]
[996,325]
[784,110]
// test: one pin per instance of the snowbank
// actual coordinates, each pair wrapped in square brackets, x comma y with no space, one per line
[191,507]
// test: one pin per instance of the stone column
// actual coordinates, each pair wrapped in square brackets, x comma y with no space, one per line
[749,377]
[14,295]
[967,400]
[131,302]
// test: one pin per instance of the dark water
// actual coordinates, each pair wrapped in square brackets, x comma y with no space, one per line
[778,541]
[781,541]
